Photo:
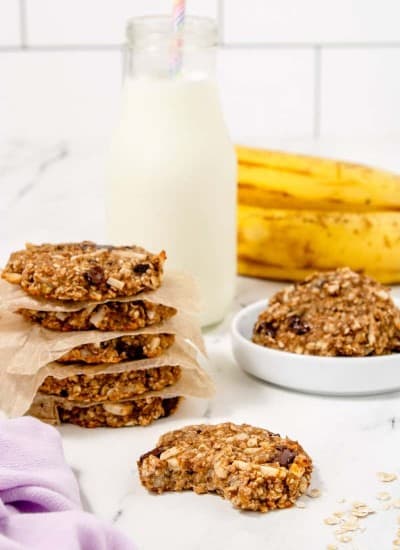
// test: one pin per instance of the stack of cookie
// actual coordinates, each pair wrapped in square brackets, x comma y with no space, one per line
[101,296]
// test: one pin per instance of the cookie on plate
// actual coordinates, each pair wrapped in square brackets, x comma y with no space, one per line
[253,468]
[84,271]
[333,313]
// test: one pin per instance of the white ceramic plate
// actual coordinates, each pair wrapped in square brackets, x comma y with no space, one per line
[311,373]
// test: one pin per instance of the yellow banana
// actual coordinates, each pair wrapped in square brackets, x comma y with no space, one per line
[249,268]
[289,243]
[288,162]
[283,180]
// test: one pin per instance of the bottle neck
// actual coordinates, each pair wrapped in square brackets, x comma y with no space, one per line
[194,65]
[155,50]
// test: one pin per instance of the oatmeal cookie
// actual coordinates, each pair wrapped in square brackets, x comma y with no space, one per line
[84,271]
[123,348]
[335,313]
[110,386]
[140,412]
[253,468]
[111,316]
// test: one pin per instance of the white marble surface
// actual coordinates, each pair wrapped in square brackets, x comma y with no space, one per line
[54,191]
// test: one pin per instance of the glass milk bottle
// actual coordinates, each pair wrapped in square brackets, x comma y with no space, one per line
[171,180]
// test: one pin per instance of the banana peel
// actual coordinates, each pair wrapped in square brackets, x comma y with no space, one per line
[290,243]
[282,180]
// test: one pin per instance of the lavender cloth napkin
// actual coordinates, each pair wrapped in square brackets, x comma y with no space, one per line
[40,506]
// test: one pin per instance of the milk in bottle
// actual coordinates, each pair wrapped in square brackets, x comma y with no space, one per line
[171,180]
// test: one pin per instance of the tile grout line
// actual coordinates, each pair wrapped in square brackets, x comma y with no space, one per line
[22,24]
[317,92]
[308,45]
[63,48]
[239,45]
[220,21]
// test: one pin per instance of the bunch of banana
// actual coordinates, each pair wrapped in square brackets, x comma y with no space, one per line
[299,214]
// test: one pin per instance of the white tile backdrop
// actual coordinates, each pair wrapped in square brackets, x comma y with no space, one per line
[293,68]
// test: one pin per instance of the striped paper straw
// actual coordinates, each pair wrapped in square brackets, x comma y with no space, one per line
[178,22]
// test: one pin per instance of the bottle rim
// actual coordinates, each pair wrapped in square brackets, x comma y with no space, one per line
[148,30]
